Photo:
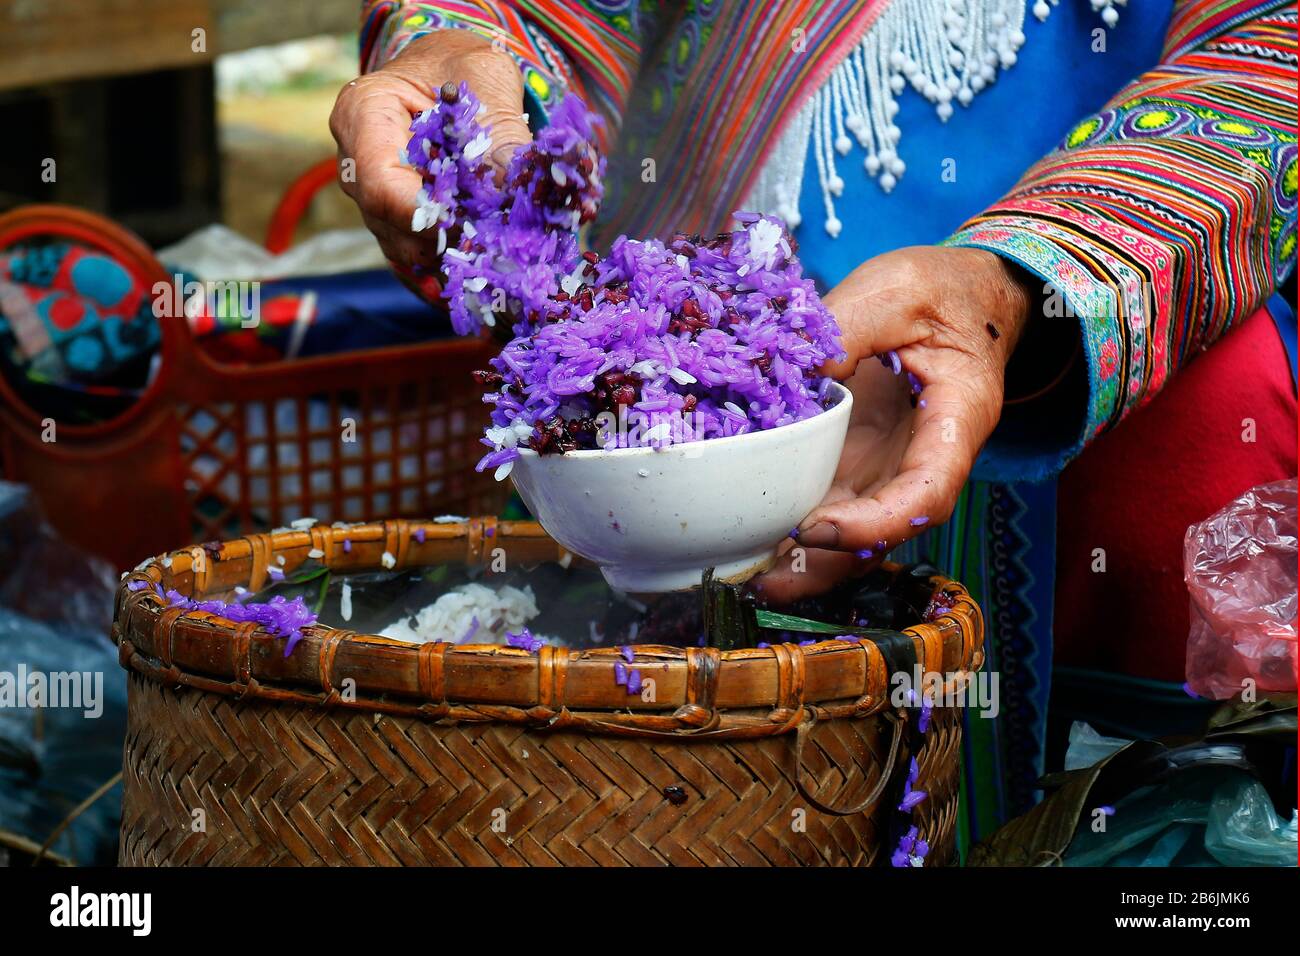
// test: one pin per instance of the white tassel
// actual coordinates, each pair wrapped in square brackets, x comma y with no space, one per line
[946,50]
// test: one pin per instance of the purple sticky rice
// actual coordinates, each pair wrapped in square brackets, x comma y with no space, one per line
[912,797]
[693,346]
[515,240]
[923,721]
[525,640]
[911,851]
[281,617]
[702,337]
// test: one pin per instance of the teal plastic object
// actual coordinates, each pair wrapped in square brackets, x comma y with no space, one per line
[1204,817]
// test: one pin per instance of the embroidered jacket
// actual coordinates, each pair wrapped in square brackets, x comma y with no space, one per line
[1162,221]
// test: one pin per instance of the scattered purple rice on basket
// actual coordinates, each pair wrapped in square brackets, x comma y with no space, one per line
[282,617]
[722,342]
[525,640]
[627,677]
[912,850]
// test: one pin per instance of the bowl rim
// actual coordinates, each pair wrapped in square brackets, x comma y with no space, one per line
[843,401]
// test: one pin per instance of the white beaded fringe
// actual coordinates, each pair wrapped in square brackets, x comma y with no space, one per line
[948,50]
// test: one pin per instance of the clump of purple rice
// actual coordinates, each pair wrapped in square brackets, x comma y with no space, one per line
[700,338]
[525,640]
[280,616]
[505,247]
[911,851]
[651,345]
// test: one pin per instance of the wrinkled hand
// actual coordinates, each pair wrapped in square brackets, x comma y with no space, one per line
[954,317]
[372,117]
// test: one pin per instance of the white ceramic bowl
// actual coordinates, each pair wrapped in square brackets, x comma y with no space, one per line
[655,519]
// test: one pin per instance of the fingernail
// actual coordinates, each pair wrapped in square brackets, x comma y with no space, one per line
[821,535]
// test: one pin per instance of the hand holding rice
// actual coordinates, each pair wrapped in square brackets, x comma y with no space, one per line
[653,344]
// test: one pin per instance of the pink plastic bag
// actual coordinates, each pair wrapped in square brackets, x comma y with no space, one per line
[1240,567]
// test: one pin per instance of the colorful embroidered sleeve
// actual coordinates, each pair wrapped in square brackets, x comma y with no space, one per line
[593,49]
[1165,219]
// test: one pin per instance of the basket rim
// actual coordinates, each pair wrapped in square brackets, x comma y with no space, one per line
[697,691]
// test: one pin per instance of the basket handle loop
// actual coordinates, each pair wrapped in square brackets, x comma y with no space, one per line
[886,773]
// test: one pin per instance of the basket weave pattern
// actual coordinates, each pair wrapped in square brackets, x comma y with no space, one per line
[301,785]
[476,754]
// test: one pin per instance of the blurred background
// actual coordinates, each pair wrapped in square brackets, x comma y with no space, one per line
[173,138]
[152,142]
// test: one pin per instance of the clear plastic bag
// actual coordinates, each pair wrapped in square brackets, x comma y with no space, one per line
[1240,569]
[1087,747]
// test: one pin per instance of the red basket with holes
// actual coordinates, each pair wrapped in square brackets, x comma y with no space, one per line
[211,450]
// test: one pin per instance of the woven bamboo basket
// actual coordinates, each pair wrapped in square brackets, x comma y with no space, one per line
[360,750]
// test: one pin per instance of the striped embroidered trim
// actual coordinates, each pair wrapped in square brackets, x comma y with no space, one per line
[946,50]
[1168,217]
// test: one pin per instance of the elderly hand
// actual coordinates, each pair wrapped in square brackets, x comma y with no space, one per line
[371,124]
[953,316]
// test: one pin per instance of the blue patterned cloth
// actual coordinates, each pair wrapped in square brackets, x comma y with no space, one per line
[1001,541]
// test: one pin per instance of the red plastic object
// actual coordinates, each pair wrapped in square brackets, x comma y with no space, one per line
[214,450]
[293,204]
[1240,567]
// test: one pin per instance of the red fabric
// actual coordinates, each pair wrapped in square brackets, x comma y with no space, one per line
[1135,491]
